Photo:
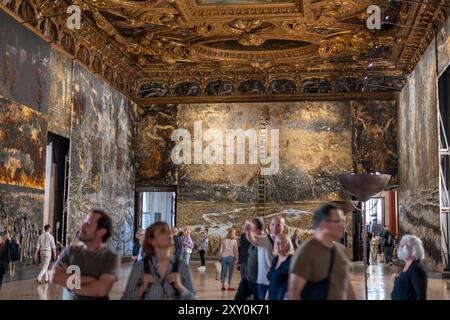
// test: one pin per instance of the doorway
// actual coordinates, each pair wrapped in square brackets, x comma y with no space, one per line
[374,210]
[56,185]
[156,204]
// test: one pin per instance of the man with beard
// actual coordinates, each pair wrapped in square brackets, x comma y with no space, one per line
[99,266]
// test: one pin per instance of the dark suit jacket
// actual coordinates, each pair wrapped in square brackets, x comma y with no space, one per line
[178,245]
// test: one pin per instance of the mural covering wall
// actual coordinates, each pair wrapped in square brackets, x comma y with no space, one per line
[23,134]
[418,195]
[154,128]
[60,93]
[24,99]
[23,139]
[21,213]
[24,61]
[374,137]
[102,160]
[315,144]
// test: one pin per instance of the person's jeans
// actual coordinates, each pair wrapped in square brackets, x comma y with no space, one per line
[46,256]
[227,263]
[262,290]
[186,257]
[388,254]
[202,257]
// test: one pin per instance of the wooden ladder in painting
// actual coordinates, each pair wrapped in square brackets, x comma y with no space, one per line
[262,182]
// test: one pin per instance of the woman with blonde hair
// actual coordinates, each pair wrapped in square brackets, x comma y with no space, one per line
[228,255]
[159,275]
[278,275]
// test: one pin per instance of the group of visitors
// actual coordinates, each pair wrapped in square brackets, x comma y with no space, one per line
[270,266]
[317,269]
[383,245]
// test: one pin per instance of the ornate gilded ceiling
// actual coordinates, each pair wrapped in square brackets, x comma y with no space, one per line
[161,48]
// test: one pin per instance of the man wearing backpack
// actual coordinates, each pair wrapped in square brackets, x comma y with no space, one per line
[388,243]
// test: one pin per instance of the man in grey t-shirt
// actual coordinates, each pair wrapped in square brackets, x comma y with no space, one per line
[99,266]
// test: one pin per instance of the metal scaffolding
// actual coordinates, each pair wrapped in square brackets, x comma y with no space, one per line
[444,201]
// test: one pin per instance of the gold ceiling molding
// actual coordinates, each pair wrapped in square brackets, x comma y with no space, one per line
[166,40]
[117,4]
[191,10]
[237,76]
[270,98]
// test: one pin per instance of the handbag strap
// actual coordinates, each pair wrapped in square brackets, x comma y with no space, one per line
[330,267]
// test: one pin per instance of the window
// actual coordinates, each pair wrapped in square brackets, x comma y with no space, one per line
[374,214]
[157,206]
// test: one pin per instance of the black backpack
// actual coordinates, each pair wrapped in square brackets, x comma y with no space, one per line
[175,268]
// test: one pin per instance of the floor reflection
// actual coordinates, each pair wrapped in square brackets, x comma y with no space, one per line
[378,281]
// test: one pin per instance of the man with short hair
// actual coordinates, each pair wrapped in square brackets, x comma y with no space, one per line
[45,247]
[99,266]
[264,243]
[320,269]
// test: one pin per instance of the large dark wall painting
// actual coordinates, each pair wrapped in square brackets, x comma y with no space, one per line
[155,125]
[315,140]
[23,136]
[60,93]
[21,213]
[24,65]
[102,170]
[374,137]
[418,194]
[315,146]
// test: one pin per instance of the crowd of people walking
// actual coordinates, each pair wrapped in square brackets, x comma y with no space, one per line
[272,264]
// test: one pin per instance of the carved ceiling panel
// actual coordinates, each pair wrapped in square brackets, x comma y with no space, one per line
[214,47]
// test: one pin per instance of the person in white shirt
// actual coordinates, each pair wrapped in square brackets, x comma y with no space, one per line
[45,247]
[264,242]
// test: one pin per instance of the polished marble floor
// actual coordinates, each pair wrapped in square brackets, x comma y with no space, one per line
[379,285]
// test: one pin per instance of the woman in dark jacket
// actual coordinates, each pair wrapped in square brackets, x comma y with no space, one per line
[11,252]
[411,283]
[278,274]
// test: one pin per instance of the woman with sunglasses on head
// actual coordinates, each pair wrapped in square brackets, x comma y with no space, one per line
[160,275]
